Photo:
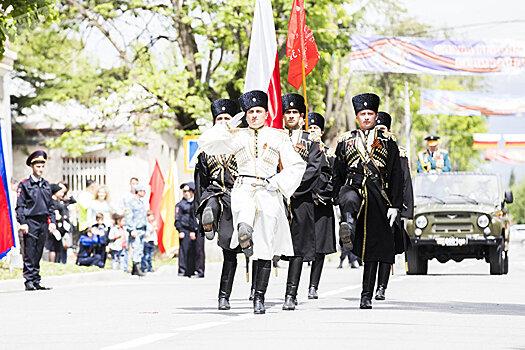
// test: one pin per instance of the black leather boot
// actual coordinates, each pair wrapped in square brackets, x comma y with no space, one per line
[347,231]
[295,266]
[136,270]
[315,276]
[245,232]
[261,284]
[369,280]
[207,223]
[382,276]
[255,268]
[228,273]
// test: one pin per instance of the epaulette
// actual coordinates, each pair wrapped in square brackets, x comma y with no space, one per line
[389,135]
[234,130]
[344,136]
[24,180]
[403,152]
[314,137]
[444,151]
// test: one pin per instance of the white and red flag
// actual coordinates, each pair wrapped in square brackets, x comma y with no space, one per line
[262,72]
[300,46]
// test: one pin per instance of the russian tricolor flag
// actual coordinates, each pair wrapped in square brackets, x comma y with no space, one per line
[7,237]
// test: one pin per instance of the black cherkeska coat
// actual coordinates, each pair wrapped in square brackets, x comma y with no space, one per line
[324,209]
[374,240]
[301,204]
[214,179]
[402,241]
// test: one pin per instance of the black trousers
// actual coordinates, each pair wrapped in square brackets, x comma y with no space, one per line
[191,255]
[34,243]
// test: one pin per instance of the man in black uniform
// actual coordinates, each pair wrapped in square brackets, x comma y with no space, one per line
[191,251]
[324,208]
[301,204]
[368,185]
[214,179]
[35,212]
[401,239]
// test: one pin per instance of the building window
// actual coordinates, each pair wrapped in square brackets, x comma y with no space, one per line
[76,171]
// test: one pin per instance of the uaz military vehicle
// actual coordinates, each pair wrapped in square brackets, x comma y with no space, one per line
[458,215]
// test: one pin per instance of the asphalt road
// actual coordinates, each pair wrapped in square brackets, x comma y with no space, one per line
[456,306]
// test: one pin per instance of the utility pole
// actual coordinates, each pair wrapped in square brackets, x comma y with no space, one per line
[408,121]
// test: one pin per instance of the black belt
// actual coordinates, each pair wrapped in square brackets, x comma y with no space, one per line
[142,228]
[255,177]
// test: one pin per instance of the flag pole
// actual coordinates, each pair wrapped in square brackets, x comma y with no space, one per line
[304,93]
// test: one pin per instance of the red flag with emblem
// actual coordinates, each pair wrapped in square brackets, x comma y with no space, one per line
[156,184]
[300,40]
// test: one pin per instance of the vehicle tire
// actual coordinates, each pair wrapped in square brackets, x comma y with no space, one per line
[506,263]
[417,265]
[496,260]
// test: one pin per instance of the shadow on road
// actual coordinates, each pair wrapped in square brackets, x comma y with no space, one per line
[454,307]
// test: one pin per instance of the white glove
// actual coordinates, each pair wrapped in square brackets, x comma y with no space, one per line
[404,221]
[391,214]
[272,185]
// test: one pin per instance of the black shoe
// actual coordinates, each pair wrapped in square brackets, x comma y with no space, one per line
[289,303]
[345,234]
[207,223]
[224,304]
[29,286]
[252,294]
[136,270]
[38,286]
[312,293]
[366,303]
[340,265]
[258,306]
[380,294]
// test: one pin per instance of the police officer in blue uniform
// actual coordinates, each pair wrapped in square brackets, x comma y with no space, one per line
[35,213]
[433,160]
[191,251]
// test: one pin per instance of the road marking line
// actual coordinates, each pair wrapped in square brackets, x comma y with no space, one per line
[148,339]
[339,291]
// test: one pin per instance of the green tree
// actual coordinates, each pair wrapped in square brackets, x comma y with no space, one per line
[517,209]
[18,14]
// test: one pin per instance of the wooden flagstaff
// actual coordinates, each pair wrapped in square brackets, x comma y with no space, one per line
[304,94]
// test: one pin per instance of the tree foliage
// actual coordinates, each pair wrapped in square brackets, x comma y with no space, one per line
[15,15]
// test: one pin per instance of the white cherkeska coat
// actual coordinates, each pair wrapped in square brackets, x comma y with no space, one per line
[258,153]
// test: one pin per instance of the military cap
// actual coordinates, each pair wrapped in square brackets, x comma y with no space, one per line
[432,138]
[140,188]
[366,101]
[316,119]
[293,101]
[223,105]
[191,185]
[38,156]
[254,98]
[55,188]
[383,118]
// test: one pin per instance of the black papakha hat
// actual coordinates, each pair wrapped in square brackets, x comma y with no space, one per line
[383,118]
[223,105]
[366,101]
[293,101]
[37,156]
[254,98]
[316,119]
[432,138]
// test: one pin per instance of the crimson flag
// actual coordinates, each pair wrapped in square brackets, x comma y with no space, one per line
[156,184]
[300,39]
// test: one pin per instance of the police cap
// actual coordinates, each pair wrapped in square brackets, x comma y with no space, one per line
[37,156]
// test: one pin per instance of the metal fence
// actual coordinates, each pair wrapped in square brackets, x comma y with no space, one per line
[76,171]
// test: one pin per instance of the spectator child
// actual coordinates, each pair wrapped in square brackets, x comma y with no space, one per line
[150,241]
[87,247]
[118,243]
[100,229]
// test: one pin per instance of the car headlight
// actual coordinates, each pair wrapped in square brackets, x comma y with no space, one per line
[483,221]
[421,221]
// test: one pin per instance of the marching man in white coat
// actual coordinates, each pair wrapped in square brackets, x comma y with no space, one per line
[259,218]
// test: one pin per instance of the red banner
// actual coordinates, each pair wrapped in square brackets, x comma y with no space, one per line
[300,40]
[505,155]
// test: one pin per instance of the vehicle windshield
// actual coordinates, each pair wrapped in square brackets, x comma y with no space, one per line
[456,188]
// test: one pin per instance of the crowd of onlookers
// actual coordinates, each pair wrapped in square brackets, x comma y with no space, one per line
[93,228]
